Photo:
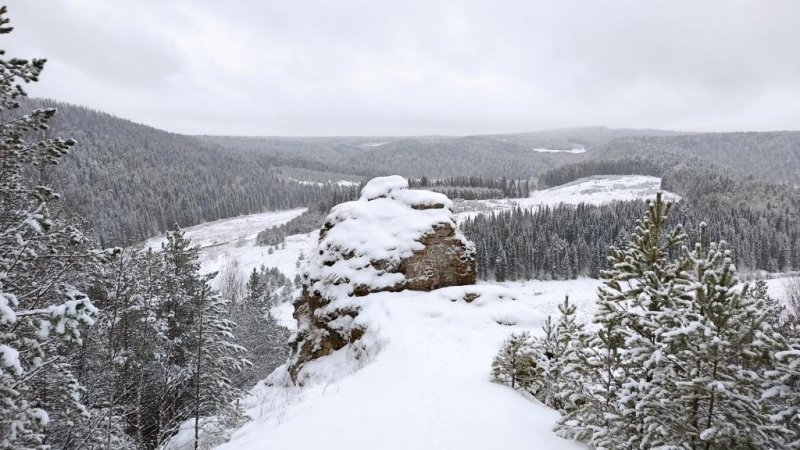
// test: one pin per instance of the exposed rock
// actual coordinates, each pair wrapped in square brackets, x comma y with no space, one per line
[391,239]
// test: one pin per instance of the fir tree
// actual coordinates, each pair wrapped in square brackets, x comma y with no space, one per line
[216,358]
[515,364]
[716,344]
[561,345]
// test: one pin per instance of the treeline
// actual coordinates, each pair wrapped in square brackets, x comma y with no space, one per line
[565,241]
[681,353]
[708,185]
[474,188]
[693,178]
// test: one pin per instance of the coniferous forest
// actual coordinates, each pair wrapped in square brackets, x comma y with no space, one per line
[173,291]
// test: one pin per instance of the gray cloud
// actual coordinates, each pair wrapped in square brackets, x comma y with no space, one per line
[320,67]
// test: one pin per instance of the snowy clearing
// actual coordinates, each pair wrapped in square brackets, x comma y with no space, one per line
[595,190]
[573,151]
[234,238]
[340,183]
[374,144]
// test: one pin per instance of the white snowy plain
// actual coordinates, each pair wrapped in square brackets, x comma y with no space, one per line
[574,151]
[425,383]
[595,190]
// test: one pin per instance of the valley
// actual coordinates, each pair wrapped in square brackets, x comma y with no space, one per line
[399,225]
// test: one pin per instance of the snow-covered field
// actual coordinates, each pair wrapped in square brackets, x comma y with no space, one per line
[595,190]
[234,239]
[574,151]
[341,183]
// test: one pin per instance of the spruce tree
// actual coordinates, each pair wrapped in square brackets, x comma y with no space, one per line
[515,364]
[716,346]
[561,347]
[215,358]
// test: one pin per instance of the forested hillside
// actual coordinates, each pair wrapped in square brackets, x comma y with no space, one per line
[773,156]
[511,155]
[130,181]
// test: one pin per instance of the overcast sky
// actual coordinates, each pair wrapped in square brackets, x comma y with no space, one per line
[343,67]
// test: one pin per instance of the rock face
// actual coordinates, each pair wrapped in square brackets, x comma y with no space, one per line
[391,239]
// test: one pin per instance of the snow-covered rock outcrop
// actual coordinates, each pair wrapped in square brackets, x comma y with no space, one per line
[391,239]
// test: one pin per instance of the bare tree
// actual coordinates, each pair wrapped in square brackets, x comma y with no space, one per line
[232,283]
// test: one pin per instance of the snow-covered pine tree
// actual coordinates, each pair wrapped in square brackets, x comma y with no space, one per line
[43,260]
[620,357]
[515,364]
[500,267]
[257,330]
[716,344]
[561,346]
[255,290]
[782,394]
[103,362]
[543,350]
[216,359]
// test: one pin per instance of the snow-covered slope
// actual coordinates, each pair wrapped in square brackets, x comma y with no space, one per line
[595,190]
[425,383]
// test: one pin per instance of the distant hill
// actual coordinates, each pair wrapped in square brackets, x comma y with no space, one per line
[521,155]
[773,156]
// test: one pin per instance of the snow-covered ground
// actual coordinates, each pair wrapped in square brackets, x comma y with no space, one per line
[574,151]
[426,384]
[340,183]
[234,239]
[595,190]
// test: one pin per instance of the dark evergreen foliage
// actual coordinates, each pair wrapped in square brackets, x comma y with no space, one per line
[566,241]
[474,188]
[772,156]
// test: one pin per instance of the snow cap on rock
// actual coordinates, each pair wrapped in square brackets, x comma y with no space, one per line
[383,187]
